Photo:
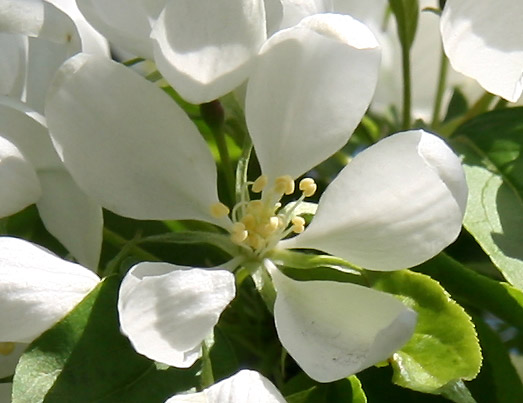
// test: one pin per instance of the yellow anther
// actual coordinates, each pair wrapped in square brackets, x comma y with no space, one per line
[271,226]
[7,348]
[259,184]
[238,233]
[249,221]
[308,187]
[298,224]
[255,241]
[284,184]
[219,210]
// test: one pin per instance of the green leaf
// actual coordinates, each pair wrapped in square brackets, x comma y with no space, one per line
[407,14]
[499,298]
[491,148]
[84,358]
[444,348]
[498,380]
[346,390]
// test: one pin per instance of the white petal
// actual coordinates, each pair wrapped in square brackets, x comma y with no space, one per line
[71,216]
[334,330]
[127,144]
[26,129]
[273,15]
[38,18]
[205,48]
[126,23]
[168,310]
[37,289]
[12,64]
[484,40]
[310,88]
[244,386]
[296,10]
[18,181]
[397,204]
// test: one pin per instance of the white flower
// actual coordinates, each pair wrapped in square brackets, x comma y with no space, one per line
[37,289]
[484,40]
[36,37]
[244,386]
[395,205]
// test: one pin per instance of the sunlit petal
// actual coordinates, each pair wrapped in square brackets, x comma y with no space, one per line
[334,330]
[128,144]
[205,48]
[244,386]
[484,40]
[397,204]
[310,88]
[37,289]
[167,310]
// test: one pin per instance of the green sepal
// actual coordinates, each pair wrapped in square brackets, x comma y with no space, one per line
[85,358]
[407,14]
[444,348]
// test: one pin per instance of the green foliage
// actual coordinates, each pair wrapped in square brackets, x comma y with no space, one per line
[85,358]
[491,148]
[345,390]
[444,348]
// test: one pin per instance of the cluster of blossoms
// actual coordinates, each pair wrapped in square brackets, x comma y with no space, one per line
[100,135]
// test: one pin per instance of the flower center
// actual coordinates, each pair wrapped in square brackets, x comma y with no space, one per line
[259,224]
[7,348]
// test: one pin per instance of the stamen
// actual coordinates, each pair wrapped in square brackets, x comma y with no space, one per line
[259,184]
[238,233]
[219,210]
[7,348]
[249,221]
[308,186]
[271,226]
[284,185]
[298,224]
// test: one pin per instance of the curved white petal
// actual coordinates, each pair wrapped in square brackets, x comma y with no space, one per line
[92,40]
[296,10]
[334,330]
[127,144]
[484,40]
[26,129]
[71,216]
[273,15]
[244,386]
[168,310]
[397,204]
[18,181]
[310,88]
[38,18]
[205,48]
[37,289]
[12,64]
[125,23]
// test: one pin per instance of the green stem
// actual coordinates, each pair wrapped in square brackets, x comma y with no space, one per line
[241,171]
[118,241]
[407,90]
[134,61]
[442,84]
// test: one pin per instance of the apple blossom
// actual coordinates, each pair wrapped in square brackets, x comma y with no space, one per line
[395,205]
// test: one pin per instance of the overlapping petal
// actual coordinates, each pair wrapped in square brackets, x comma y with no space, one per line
[168,310]
[309,90]
[484,40]
[397,204]
[335,329]
[71,216]
[37,289]
[125,23]
[296,10]
[244,386]
[127,144]
[12,64]
[205,48]
[18,180]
